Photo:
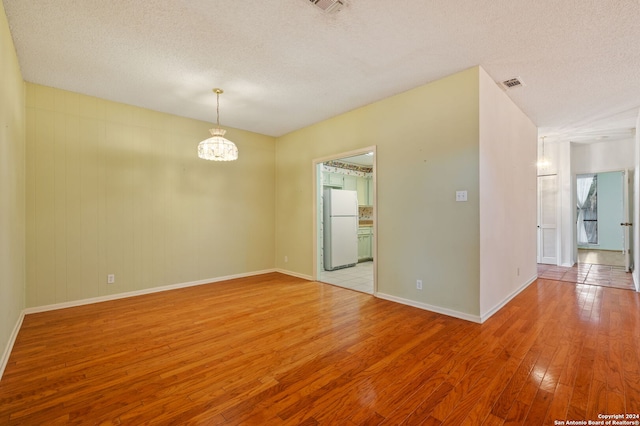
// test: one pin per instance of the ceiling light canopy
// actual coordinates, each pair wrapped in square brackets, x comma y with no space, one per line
[329,6]
[217,147]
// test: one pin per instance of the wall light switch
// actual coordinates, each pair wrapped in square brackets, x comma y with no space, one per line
[461,195]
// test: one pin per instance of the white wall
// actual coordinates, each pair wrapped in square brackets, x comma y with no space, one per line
[566,187]
[507,198]
[603,156]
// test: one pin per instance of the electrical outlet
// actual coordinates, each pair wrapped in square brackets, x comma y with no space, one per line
[461,195]
[111,278]
[419,284]
[286,259]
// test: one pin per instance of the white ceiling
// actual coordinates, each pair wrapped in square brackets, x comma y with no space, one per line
[285,64]
[360,160]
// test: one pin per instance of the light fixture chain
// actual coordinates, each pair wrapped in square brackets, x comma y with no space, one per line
[218,107]
[217,147]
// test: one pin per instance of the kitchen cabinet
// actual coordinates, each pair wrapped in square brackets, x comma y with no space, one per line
[334,180]
[364,186]
[351,183]
[365,243]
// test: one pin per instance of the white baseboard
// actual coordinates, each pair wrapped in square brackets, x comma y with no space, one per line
[12,340]
[513,294]
[453,313]
[295,274]
[151,290]
[431,308]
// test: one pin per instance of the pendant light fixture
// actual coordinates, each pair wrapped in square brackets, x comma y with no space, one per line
[543,162]
[217,147]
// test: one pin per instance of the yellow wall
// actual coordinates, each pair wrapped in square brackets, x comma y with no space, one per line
[12,189]
[116,189]
[427,148]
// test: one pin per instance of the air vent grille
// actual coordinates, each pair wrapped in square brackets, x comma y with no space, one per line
[329,6]
[512,83]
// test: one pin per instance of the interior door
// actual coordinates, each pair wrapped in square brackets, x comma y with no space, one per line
[626,224]
[548,219]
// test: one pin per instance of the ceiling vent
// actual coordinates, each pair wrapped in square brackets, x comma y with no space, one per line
[329,6]
[512,83]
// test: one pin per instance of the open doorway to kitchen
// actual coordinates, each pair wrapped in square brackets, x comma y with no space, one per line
[345,220]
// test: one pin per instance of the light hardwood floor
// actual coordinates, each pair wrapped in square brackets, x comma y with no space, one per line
[274,349]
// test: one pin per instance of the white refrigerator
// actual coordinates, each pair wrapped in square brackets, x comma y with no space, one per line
[340,224]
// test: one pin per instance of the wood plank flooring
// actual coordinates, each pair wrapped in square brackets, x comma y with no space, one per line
[274,349]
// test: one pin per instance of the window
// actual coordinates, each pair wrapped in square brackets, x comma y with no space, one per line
[587,209]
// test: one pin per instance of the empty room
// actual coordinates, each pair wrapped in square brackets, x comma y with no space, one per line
[319,212]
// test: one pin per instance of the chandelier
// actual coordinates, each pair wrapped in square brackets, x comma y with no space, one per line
[217,147]
[543,162]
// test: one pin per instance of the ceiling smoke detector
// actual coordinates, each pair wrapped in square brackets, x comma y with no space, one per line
[512,83]
[329,6]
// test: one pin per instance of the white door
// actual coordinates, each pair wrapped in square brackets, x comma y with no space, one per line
[548,219]
[626,214]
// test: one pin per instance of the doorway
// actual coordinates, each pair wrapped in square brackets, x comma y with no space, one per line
[350,174]
[602,219]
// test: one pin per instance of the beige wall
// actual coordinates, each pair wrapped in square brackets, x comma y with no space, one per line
[427,148]
[116,189]
[507,197]
[12,190]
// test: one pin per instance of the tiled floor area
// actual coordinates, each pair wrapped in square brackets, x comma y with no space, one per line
[586,273]
[359,277]
[601,257]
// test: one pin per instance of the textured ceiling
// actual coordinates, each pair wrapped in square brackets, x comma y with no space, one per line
[285,64]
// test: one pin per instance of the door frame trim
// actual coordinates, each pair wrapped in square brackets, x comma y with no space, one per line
[317,183]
